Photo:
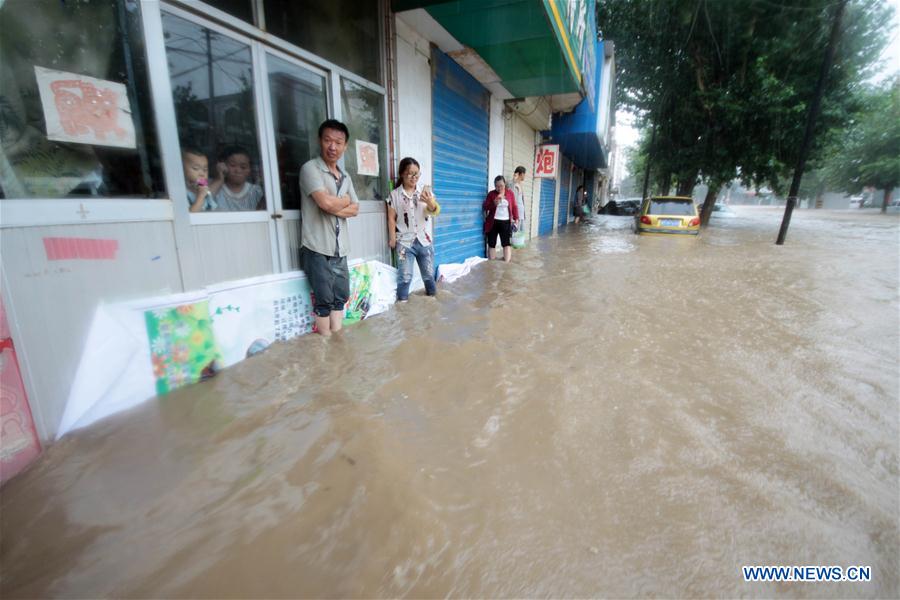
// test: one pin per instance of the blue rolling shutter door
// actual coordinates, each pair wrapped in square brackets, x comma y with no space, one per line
[548,188]
[565,172]
[460,144]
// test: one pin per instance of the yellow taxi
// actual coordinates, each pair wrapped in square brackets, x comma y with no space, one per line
[668,214]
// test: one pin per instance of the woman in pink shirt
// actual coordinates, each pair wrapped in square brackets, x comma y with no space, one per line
[500,214]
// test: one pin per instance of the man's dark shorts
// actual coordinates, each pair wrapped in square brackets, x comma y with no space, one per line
[329,279]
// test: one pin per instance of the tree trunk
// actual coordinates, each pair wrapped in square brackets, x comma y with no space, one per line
[811,116]
[686,185]
[665,184]
[684,188]
[649,162]
[708,203]
[887,198]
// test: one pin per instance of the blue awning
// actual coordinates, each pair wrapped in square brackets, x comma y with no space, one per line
[578,132]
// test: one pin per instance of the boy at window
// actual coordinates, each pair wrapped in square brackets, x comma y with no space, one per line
[196,178]
[236,193]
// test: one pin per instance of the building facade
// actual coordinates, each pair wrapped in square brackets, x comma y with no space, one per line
[104,103]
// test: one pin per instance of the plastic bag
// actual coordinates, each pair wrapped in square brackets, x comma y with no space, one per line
[518,239]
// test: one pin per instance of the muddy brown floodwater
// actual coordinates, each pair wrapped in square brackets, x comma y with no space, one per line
[606,416]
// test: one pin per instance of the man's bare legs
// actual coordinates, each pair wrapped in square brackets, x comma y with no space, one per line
[337,320]
[323,325]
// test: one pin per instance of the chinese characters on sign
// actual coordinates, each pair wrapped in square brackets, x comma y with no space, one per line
[546,161]
[85,110]
[292,316]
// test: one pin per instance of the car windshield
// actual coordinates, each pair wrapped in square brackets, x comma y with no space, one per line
[671,207]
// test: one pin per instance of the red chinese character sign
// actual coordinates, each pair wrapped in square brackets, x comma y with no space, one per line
[366,158]
[546,161]
[85,110]
[19,444]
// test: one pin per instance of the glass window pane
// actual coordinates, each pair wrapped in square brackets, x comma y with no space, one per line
[298,107]
[671,207]
[242,9]
[364,115]
[75,113]
[212,82]
[342,31]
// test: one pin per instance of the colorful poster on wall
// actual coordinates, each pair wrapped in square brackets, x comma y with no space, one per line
[250,314]
[367,158]
[85,110]
[151,346]
[182,347]
[19,444]
[360,293]
[546,161]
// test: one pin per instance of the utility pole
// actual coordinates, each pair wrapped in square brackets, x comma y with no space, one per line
[810,122]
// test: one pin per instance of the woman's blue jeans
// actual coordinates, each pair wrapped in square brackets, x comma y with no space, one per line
[406,259]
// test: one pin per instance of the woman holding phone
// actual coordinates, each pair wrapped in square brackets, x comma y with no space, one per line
[411,209]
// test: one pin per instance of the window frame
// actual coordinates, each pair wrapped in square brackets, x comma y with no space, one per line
[38,212]
[268,117]
[215,217]
[42,212]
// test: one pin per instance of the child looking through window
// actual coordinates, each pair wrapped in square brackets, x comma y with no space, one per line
[236,193]
[196,179]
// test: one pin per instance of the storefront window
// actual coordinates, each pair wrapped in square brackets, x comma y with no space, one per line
[298,107]
[366,154]
[342,31]
[212,84]
[75,114]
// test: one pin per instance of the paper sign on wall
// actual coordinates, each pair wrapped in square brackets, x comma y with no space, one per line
[85,110]
[367,158]
[249,315]
[19,444]
[546,161]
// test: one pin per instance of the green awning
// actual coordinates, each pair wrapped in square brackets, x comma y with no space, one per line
[528,43]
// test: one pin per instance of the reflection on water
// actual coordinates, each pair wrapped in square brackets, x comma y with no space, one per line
[609,415]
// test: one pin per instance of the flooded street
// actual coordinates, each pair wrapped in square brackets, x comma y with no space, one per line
[609,415]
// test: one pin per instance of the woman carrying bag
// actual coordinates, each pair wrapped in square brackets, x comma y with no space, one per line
[500,214]
[581,208]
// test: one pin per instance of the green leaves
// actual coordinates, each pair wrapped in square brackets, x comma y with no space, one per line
[727,83]
[869,152]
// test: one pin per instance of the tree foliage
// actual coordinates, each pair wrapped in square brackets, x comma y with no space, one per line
[869,154]
[726,84]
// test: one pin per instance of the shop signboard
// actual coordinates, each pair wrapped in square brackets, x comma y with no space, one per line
[546,161]
[575,26]
[19,445]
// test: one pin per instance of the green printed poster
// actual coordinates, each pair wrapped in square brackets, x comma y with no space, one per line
[182,346]
[357,306]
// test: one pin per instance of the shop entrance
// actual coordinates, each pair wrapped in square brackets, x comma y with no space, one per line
[250,113]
